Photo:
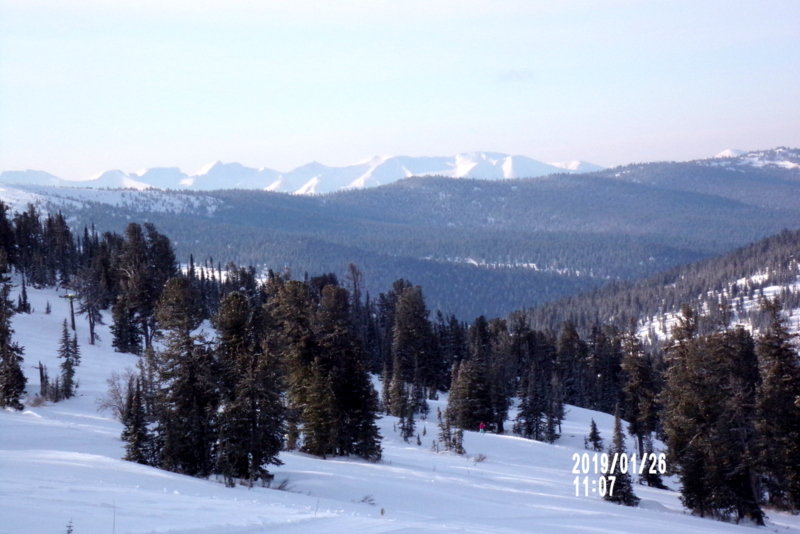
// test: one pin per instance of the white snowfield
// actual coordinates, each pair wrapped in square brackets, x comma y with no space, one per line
[61,463]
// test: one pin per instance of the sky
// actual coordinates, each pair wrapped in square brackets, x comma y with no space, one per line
[92,85]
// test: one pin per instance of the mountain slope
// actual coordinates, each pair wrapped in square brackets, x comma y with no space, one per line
[60,464]
[767,268]
[500,245]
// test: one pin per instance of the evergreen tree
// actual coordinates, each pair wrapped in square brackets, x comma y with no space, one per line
[67,351]
[319,432]
[708,420]
[135,434]
[251,420]
[639,390]
[779,412]
[536,387]
[618,479]
[554,413]
[413,344]
[23,306]
[12,379]
[187,406]
[290,308]
[651,477]
[571,362]
[469,403]
[355,403]
[594,437]
[125,331]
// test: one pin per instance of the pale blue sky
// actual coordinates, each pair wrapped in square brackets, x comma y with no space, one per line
[90,85]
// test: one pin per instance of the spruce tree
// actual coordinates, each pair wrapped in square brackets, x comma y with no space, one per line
[618,479]
[779,412]
[639,390]
[187,398]
[318,416]
[470,401]
[355,402]
[651,477]
[413,346]
[135,434]
[67,352]
[12,379]
[594,437]
[251,418]
[708,420]
[290,308]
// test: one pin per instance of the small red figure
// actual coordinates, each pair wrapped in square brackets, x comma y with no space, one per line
[482,427]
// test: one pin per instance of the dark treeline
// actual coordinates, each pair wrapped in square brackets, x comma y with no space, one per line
[236,366]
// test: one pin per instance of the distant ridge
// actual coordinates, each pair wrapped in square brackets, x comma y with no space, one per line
[318,178]
[315,177]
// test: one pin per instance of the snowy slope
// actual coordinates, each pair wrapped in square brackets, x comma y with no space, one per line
[18,197]
[659,328]
[313,178]
[60,463]
[783,157]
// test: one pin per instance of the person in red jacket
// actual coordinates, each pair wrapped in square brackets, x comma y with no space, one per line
[482,427]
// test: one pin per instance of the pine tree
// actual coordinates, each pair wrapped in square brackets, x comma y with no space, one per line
[470,401]
[125,332]
[355,403]
[536,388]
[571,362]
[187,399]
[554,412]
[779,412]
[594,437]
[251,419]
[618,479]
[413,345]
[639,390]
[651,477]
[12,379]
[67,352]
[135,434]
[708,420]
[290,308]
[23,306]
[319,432]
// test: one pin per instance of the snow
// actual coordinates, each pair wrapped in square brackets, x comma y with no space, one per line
[375,171]
[60,463]
[150,200]
[576,166]
[730,153]
[659,328]
[782,157]
[17,199]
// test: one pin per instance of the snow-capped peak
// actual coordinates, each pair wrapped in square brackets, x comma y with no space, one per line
[314,177]
[731,153]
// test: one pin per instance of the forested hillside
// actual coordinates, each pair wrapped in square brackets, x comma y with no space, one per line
[479,247]
[234,369]
[728,281]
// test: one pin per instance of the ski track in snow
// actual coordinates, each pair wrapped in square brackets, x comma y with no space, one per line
[60,463]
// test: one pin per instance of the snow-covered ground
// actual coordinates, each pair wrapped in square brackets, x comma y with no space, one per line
[60,463]
[659,328]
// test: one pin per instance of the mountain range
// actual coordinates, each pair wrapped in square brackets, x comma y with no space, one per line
[314,178]
[476,246]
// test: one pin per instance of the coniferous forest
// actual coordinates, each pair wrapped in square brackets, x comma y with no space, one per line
[237,365]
